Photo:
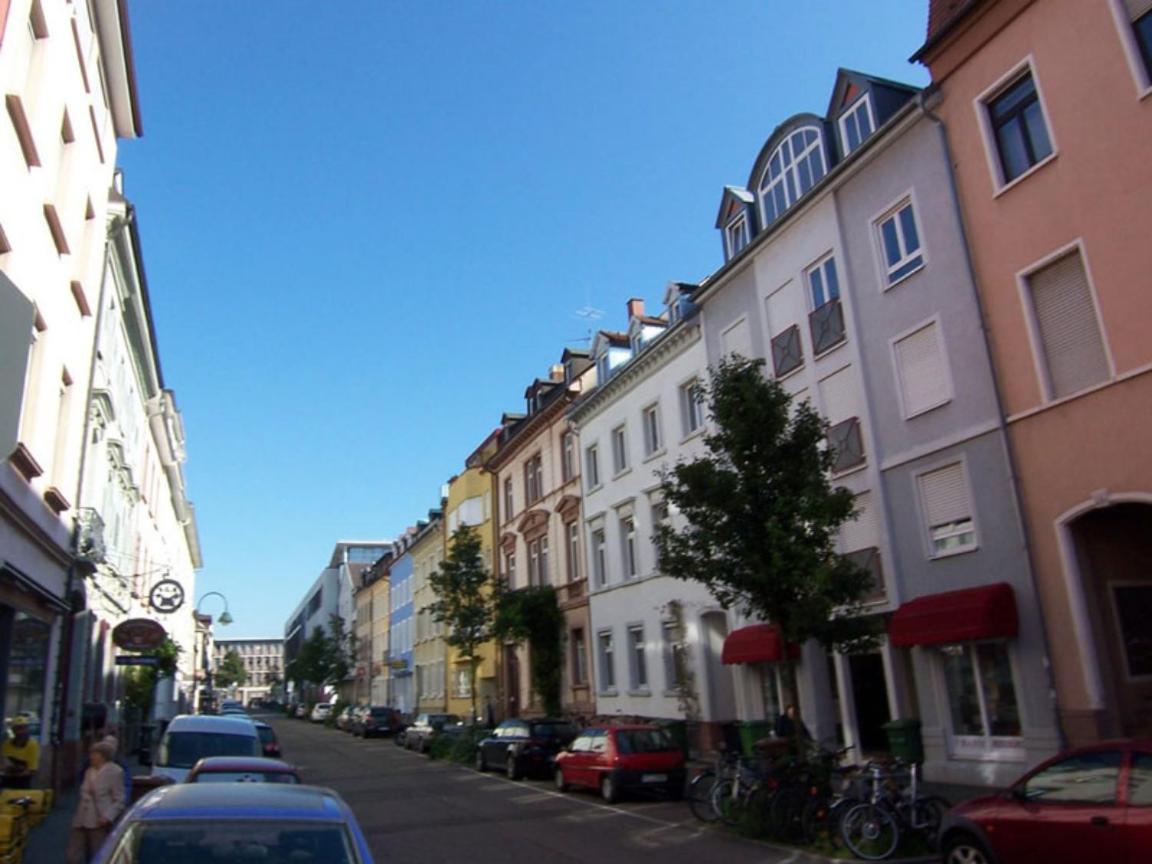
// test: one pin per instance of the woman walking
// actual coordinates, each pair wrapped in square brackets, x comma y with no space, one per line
[101,803]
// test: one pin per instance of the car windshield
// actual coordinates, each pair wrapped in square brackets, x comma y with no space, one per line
[192,842]
[439,721]
[644,741]
[381,712]
[563,731]
[185,749]
[246,777]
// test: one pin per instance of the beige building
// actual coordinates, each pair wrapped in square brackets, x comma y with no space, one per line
[263,659]
[370,598]
[429,651]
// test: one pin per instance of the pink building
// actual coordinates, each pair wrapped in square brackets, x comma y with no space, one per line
[1048,110]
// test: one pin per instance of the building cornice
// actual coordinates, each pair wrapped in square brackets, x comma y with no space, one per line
[529,431]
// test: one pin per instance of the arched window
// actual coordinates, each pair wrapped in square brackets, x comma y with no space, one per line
[795,167]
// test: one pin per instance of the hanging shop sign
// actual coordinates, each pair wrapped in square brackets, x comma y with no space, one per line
[139,634]
[166,596]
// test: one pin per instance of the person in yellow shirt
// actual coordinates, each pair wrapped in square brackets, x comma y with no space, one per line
[21,755]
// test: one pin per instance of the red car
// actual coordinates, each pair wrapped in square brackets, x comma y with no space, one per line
[618,759]
[1089,804]
[242,769]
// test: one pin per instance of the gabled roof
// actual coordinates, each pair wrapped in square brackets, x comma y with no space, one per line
[675,289]
[574,354]
[611,337]
[850,83]
[734,197]
[943,15]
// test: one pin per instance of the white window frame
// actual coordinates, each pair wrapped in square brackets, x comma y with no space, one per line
[568,456]
[606,659]
[1039,359]
[598,554]
[1141,76]
[947,392]
[637,659]
[737,235]
[892,211]
[763,190]
[864,101]
[509,496]
[653,431]
[1004,748]
[819,264]
[991,149]
[572,542]
[619,450]
[690,408]
[592,465]
[629,554]
[930,549]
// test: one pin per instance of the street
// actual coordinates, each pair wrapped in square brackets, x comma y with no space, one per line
[414,810]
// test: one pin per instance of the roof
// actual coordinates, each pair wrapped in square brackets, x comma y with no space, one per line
[243,763]
[223,725]
[203,801]
[943,15]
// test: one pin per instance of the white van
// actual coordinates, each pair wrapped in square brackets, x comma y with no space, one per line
[190,737]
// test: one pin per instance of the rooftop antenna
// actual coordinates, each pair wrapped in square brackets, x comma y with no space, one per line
[590,314]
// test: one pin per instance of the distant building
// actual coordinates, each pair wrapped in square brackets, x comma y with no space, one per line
[429,650]
[263,660]
[400,691]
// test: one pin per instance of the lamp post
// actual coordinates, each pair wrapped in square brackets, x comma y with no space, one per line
[225,619]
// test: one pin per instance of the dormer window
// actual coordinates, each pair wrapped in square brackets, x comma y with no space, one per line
[856,124]
[602,368]
[736,235]
[795,167]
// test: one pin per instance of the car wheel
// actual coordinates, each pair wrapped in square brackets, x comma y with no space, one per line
[513,767]
[964,849]
[481,763]
[561,786]
[609,791]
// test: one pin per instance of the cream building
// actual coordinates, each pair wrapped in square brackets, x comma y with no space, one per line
[429,651]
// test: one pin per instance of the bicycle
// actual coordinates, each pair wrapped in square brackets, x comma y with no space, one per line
[702,789]
[872,829]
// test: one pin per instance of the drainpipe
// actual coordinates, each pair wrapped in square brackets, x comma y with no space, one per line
[923,99]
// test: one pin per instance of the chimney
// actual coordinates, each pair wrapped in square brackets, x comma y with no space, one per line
[556,372]
[635,308]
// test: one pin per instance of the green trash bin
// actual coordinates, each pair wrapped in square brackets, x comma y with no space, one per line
[752,731]
[904,740]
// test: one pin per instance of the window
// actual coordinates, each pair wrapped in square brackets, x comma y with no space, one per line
[794,168]
[652,441]
[638,664]
[947,510]
[545,577]
[856,124]
[1088,778]
[1068,334]
[534,562]
[579,657]
[736,235]
[691,407]
[787,352]
[900,240]
[675,656]
[1141,11]
[599,557]
[509,498]
[823,283]
[1133,604]
[619,450]
[628,546]
[1140,780]
[607,661]
[1019,128]
[568,456]
[981,693]
[533,479]
[603,370]
[660,516]
[592,465]
[462,682]
[847,442]
[921,371]
[573,531]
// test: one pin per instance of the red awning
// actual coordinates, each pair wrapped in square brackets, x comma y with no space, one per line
[757,643]
[988,612]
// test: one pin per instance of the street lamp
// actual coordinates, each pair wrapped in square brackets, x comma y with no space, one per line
[225,618]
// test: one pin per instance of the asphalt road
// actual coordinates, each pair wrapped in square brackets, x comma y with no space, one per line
[417,811]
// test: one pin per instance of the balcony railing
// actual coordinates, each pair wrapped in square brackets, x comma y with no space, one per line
[847,443]
[827,325]
[787,352]
[90,536]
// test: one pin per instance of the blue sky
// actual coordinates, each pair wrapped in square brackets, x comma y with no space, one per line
[368,225]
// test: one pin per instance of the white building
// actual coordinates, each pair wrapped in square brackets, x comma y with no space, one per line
[66,72]
[656,641]
[263,659]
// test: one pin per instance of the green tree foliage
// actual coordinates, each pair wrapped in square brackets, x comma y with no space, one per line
[141,681]
[465,599]
[533,615]
[762,515]
[231,671]
[324,659]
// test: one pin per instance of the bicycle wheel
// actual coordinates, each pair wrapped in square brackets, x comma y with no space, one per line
[727,802]
[787,808]
[927,814]
[700,797]
[870,831]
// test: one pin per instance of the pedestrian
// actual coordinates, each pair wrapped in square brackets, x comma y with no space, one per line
[789,725]
[101,803]
[114,742]
[21,755]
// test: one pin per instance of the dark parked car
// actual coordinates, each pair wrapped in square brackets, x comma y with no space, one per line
[377,720]
[268,741]
[620,759]
[522,747]
[426,728]
[1087,804]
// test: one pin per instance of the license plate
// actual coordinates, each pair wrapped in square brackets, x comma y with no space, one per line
[653,778]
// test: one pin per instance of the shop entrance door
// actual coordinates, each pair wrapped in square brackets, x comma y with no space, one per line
[870,693]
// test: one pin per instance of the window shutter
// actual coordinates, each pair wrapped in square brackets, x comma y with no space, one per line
[861,532]
[839,394]
[735,339]
[1069,330]
[922,376]
[944,494]
[1137,8]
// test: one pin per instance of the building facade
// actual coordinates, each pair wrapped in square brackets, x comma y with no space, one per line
[375,657]
[536,472]
[1047,107]
[429,650]
[263,659]
[401,690]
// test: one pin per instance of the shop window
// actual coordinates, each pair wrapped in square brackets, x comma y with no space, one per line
[981,692]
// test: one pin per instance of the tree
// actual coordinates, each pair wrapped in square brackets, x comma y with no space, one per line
[339,651]
[533,615]
[762,516]
[231,671]
[323,659]
[465,601]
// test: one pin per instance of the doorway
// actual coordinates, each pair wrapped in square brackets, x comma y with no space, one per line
[511,682]
[870,694]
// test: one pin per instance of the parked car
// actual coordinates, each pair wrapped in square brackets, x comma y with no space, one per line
[236,769]
[522,747]
[619,759]
[237,822]
[426,728]
[344,718]
[1089,803]
[301,711]
[268,740]
[377,720]
[191,737]
[321,711]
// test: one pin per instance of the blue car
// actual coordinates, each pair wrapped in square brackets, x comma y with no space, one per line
[237,822]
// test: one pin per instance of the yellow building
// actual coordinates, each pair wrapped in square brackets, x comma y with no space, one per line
[469,502]
[371,600]
[376,660]
[429,651]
